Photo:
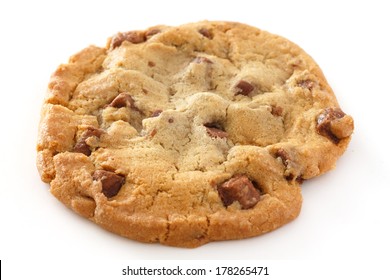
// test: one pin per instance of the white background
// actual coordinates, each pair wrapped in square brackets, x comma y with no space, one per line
[345,215]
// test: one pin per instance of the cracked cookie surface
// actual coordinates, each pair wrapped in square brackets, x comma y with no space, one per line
[190,134]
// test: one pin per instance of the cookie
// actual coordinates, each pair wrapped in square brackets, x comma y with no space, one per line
[190,134]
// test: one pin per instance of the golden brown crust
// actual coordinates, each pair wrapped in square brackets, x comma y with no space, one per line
[178,111]
[66,78]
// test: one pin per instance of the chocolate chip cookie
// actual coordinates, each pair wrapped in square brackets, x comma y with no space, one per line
[190,134]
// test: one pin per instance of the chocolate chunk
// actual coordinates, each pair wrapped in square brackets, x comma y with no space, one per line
[292,169]
[81,146]
[205,32]
[283,155]
[300,179]
[243,87]
[134,37]
[325,122]
[123,100]
[92,131]
[215,131]
[276,111]
[239,188]
[111,182]
[309,84]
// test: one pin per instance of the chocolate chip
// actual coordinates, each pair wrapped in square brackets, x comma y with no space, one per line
[239,188]
[309,84]
[276,111]
[111,182]
[283,155]
[300,179]
[243,87]
[151,64]
[156,113]
[81,146]
[134,37]
[92,131]
[290,165]
[202,59]
[215,131]
[206,32]
[325,121]
[170,120]
[123,100]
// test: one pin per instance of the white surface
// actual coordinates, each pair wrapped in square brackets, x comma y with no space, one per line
[345,212]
